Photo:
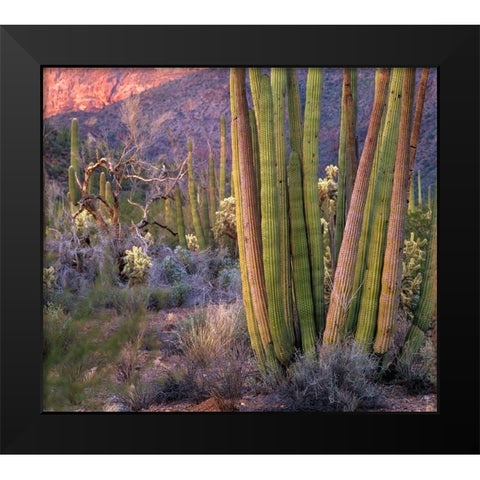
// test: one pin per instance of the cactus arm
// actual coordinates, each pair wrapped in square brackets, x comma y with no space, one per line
[342,292]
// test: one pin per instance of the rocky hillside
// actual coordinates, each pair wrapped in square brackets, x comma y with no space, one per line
[189,104]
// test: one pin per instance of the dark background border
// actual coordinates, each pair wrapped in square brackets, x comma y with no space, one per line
[25,49]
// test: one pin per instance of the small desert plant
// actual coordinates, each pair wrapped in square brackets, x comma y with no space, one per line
[417,372]
[129,356]
[342,378]
[58,331]
[137,266]
[192,242]
[176,384]
[136,396]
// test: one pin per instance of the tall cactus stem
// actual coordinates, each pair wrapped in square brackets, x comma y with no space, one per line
[180,221]
[222,177]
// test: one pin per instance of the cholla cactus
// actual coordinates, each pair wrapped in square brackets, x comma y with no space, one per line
[327,190]
[85,224]
[225,220]
[192,242]
[49,279]
[413,258]
[137,266]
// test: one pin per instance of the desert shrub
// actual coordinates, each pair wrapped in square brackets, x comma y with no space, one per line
[342,378]
[136,396]
[418,222]
[210,333]
[176,384]
[172,269]
[129,355]
[58,331]
[137,266]
[417,372]
[230,282]
[225,228]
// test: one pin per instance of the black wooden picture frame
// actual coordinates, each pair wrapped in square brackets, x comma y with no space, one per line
[454,50]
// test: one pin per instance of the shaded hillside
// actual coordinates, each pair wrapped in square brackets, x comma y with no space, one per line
[191,106]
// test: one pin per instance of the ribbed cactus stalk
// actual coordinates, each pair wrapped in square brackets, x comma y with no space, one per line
[363,243]
[180,222]
[310,191]
[255,78]
[207,231]
[248,204]
[415,135]
[282,335]
[108,194]
[74,146]
[197,224]
[102,184]
[222,176]
[346,159]
[428,292]
[73,191]
[256,151]
[212,201]
[300,259]
[252,325]
[419,192]
[294,113]
[343,286]
[279,90]
[367,315]
[411,197]
[392,264]
[429,197]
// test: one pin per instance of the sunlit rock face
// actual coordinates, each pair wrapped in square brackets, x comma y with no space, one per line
[91,89]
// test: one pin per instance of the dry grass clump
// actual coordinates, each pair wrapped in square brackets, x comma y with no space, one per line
[341,378]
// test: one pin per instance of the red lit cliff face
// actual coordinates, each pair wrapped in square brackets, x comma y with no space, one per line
[90,89]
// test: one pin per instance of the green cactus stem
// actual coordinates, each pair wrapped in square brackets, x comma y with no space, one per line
[180,222]
[222,177]
[294,113]
[102,184]
[108,194]
[392,265]
[310,191]
[256,151]
[197,224]
[74,146]
[343,285]
[300,259]
[212,201]
[282,335]
[419,192]
[73,190]
[367,315]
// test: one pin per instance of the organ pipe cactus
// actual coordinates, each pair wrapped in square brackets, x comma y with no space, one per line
[300,259]
[419,192]
[102,184]
[256,151]
[282,333]
[180,222]
[74,169]
[294,113]
[428,292]
[73,191]
[279,90]
[392,265]
[197,225]
[343,285]
[248,205]
[223,160]
[108,194]
[417,120]
[207,231]
[346,158]
[310,191]
[367,315]
[212,201]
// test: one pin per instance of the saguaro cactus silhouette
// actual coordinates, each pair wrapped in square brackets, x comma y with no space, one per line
[392,265]
[341,295]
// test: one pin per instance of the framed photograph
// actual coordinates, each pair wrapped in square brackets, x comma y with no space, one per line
[223,239]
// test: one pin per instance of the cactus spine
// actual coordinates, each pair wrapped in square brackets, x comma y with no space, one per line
[283,338]
[300,259]
[180,222]
[367,315]
[428,291]
[279,90]
[392,265]
[343,286]
[222,180]
[250,212]
[197,225]
[310,190]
